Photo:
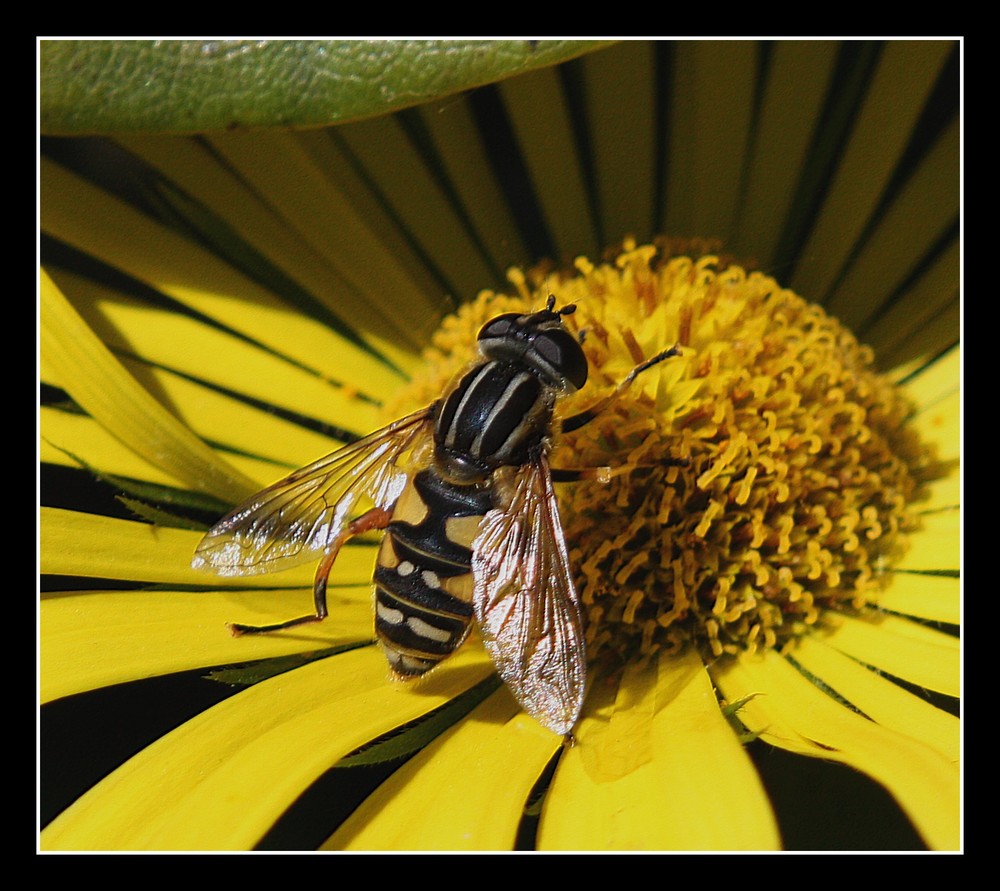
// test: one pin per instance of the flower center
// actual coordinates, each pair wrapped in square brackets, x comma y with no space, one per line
[758,481]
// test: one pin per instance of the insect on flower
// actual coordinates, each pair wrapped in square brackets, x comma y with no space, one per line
[465,493]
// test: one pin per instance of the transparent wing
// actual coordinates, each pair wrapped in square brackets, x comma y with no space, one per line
[526,603]
[282,525]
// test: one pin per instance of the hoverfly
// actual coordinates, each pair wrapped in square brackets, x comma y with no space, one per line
[465,493]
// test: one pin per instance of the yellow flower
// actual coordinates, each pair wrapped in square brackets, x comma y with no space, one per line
[792,579]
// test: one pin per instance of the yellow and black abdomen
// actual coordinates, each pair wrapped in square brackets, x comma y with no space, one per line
[423,577]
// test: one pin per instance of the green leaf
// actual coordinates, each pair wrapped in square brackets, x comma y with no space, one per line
[148,495]
[408,740]
[188,86]
[254,672]
[730,712]
[157,516]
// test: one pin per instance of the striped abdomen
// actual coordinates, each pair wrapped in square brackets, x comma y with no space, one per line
[423,577]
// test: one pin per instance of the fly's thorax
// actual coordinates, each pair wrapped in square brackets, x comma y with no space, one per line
[498,414]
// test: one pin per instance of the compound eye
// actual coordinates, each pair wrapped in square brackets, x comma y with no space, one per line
[563,352]
[500,326]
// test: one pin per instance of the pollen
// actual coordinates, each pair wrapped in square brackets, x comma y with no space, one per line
[759,482]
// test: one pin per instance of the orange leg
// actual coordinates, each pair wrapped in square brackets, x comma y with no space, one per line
[376,518]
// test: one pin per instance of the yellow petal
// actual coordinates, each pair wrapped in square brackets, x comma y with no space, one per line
[93,222]
[475,780]
[218,781]
[385,151]
[904,649]
[904,229]
[894,99]
[451,127]
[944,493]
[792,101]
[940,426]
[660,769]
[895,333]
[74,543]
[879,698]
[66,433]
[99,384]
[97,638]
[235,427]
[347,274]
[791,713]
[187,346]
[924,596]
[936,380]
[714,88]
[939,332]
[938,421]
[936,544]
[545,135]
[69,438]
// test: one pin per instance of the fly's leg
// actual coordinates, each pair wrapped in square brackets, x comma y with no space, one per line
[575,422]
[376,518]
